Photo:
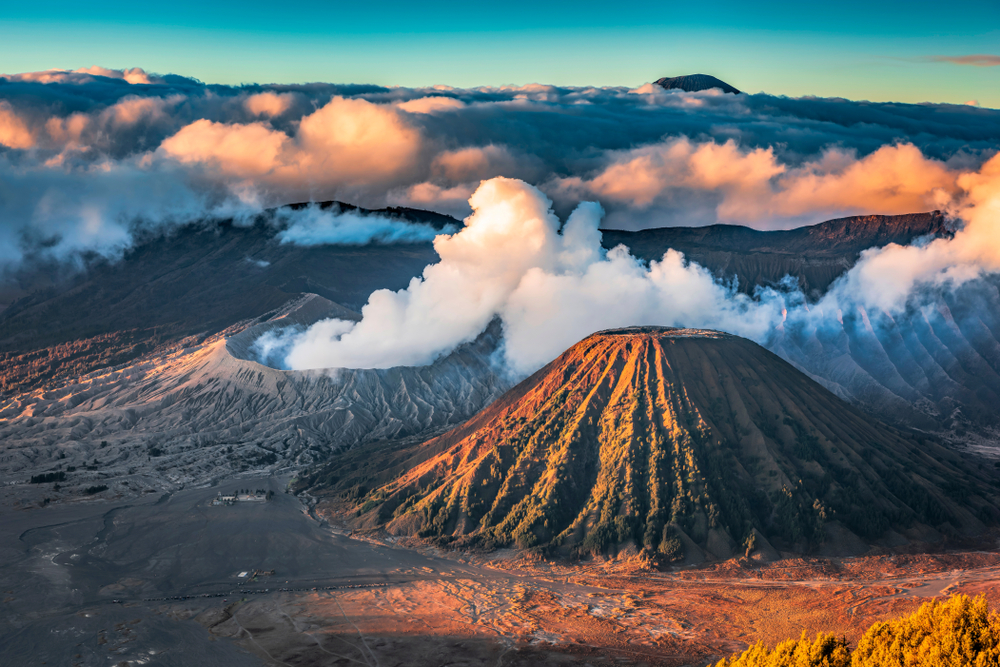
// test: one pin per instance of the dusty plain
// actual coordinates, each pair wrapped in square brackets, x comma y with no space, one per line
[154,580]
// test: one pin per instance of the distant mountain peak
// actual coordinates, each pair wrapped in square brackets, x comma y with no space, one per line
[695,82]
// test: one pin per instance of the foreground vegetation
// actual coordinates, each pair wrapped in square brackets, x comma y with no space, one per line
[959,632]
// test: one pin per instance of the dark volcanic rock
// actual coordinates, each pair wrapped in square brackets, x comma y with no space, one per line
[695,82]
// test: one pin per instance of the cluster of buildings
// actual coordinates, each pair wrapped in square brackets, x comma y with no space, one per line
[241,497]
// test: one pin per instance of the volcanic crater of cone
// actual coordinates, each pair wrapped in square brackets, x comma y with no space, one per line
[690,444]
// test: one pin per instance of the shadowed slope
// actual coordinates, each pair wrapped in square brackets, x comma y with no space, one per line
[690,443]
[814,256]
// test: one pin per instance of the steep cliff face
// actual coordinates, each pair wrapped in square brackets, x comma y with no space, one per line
[688,443]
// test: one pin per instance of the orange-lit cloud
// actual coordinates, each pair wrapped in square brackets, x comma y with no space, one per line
[132,109]
[751,186]
[976,60]
[244,151]
[433,104]
[344,143]
[475,163]
[14,132]
[135,75]
[269,103]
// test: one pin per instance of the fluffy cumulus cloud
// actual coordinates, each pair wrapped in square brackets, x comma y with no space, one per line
[346,144]
[85,75]
[739,185]
[70,138]
[269,103]
[14,132]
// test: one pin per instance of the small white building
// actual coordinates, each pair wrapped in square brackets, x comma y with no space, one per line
[224,499]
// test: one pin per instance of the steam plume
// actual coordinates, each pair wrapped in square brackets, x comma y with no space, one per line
[552,287]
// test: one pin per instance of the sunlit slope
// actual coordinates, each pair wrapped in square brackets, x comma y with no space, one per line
[689,443]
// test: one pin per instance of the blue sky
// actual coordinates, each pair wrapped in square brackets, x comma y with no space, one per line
[860,50]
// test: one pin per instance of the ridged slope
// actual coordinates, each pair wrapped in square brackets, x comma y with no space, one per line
[685,442]
[209,411]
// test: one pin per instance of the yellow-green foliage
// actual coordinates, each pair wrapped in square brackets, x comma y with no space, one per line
[824,651]
[959,632]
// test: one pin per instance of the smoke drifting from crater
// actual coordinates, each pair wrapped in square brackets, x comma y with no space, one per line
[551,287]
[313,225]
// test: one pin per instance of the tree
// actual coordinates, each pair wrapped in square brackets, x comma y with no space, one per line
[959,632]
[824,651]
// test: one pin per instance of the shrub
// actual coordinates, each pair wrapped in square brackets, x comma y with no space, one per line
[824,651]
[45,478]
[670,546]
[957,632]
[91,490]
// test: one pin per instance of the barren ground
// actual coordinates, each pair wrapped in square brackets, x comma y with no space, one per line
[153,580]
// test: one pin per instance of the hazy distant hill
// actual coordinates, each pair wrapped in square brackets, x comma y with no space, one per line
[688,443]
[695,82]
[814,255]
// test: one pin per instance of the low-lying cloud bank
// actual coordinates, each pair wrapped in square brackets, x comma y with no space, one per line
[89,156]
[552,285]
[313,225]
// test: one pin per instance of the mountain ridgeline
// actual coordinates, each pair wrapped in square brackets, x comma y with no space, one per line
[690,444]
[813,256]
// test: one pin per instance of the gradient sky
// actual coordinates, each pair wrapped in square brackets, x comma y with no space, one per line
[885,51]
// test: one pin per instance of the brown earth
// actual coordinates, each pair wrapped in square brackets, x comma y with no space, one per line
[530,612]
